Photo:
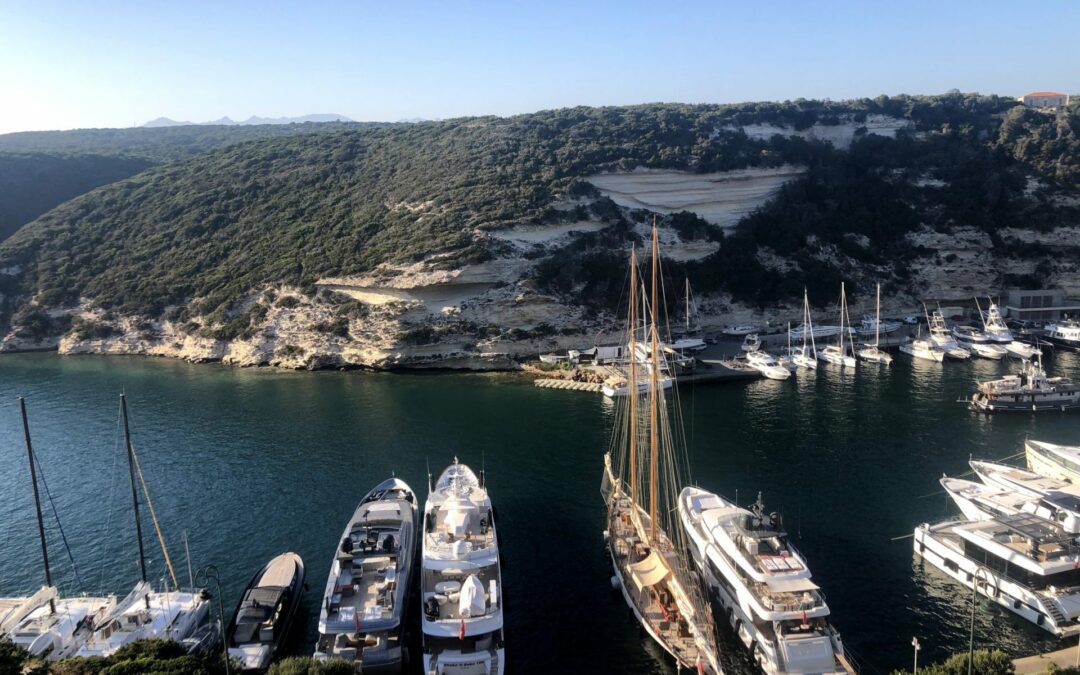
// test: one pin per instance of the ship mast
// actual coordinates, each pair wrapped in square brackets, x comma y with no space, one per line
[654,386]
[632,385]
[134,494]
[877,322]
[37,502]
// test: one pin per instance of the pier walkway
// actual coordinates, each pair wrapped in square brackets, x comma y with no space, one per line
[1063,658]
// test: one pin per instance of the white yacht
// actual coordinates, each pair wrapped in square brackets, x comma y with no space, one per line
[988,350]
[263,619]
[751,343]
[874,353]
[766,364]
[740,330]
[804,356]
[1053,460]
[807,329]
[763,583]
[994,327]
[460,578]
[1030,391]
[365,604]
[979,501]
[146,614]
[873,325]
[1022,350]
[974,339]
[840,354]
[1065,333]
[1023,481]
[923,349]
[943,340]
[1024,563]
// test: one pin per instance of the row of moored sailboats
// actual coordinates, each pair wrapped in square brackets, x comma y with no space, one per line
[678,551]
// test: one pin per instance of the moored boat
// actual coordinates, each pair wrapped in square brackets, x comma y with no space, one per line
[365,604]
[994,327]
[1064,333]
[874,353]
[740,330]
[460,578]
[766,364]
[838,354]
[923,349]
[1029,391]
[980,501]
[261,622]
[942,339]
[1025,482]
[1053,460]
[763,584]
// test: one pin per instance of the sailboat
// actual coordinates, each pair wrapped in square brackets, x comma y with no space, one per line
[46,625]
[838,354]
[146,614]
[806,355]
[874,353]
[648,549]
[690,340]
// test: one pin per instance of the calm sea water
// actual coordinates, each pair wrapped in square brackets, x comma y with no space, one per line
[256,462]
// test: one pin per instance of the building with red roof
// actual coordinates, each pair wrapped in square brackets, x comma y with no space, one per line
[1045,99]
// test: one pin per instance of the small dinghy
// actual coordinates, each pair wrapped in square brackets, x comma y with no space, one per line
[261,622]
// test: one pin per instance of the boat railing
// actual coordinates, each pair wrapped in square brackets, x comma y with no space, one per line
[788,601]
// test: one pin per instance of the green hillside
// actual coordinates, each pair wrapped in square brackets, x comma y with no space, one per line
[291,209]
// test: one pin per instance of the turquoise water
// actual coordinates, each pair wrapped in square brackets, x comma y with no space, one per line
[256,462]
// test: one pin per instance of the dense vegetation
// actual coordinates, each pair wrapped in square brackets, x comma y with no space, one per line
[42,169]
[983,662]
[212,229]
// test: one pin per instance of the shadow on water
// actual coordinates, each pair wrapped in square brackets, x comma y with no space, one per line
[256,462]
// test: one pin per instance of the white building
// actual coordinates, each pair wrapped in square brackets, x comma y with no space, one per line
[1045,99]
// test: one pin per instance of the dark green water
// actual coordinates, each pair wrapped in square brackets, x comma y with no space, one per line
[256,462]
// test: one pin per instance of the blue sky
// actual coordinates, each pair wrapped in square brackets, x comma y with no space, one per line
[115,64]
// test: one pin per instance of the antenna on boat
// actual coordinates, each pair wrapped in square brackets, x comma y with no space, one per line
[134,493]
[187,554]
[427,464]
[37,502]
[483,467]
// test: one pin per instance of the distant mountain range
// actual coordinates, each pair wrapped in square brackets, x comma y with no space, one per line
[225,121]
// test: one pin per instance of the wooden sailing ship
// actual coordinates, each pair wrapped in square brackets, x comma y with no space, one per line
[642,479]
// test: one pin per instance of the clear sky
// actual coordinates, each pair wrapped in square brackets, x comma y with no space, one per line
[114,64]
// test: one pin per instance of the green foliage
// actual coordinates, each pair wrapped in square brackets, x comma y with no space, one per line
[338,327]
[84,329]
[984,662]
[12,657]
[145,657]
[303,665]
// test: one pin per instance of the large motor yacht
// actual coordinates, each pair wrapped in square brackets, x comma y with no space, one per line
[763,585]
[1020,480]
[943,340]
[1024,563]
[1056,461]
[978,501]
[365,602]
[1030,391]
[1064,334]
[460,578]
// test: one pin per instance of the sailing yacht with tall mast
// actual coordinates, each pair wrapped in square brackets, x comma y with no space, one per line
[647,547]
[690,340]
[48,626]
[806,355]
[874,353]
[146,614]
[840,354]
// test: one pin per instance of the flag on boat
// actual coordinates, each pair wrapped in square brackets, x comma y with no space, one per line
[461,631]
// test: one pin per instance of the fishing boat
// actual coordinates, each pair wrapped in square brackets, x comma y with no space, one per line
[767,364]
[461,578]
[763,584]
[146,614]
[980,501]
[740,330]
[874,353]
[260,624]
[46,625]
[943,339]
[1053,460]
[1030,391]
[1025,482]
[1065,334]
[1024,563]
[923,349]
[994,326]
[365,604]
[647,547]
[839,354]
[804,356]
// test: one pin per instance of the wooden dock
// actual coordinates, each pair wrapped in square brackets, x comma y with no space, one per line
[571,385]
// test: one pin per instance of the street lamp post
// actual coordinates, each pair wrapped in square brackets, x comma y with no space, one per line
[203,577]
[974,594]
[915,644]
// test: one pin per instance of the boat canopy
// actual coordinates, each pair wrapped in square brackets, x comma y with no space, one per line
[649,571]
[705,502]
[791,585]
[471,601]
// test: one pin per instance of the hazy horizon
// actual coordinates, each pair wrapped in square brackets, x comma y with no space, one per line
[75,66]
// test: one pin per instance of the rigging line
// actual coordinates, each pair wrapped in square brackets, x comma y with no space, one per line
[112,503]
[56,516]
[153,518]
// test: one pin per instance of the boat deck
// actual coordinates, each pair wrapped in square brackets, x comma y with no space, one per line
[367,577]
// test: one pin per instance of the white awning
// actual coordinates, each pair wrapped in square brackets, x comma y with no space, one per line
[649,571]
[791,585]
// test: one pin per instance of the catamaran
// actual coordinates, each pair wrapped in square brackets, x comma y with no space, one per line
[365,603]
[839,354]
[942,339]
[874,353]
[460,578]
[763,583]
[648,549]
[146,614]
[806,355]
[45,625]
